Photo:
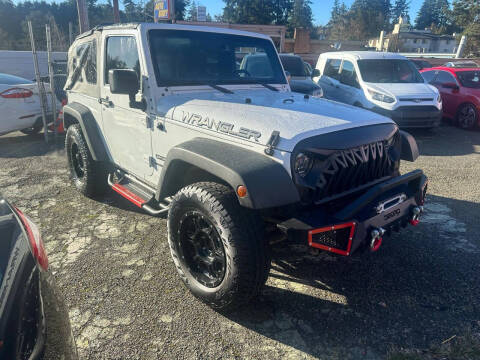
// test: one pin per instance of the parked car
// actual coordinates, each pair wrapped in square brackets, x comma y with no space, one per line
[460,91]
[34,322]
[421,64]
[20,104]
[300,79]
[386,83]
[232,155]
[461,64]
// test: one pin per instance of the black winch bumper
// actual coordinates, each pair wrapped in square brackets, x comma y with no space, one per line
[361,224]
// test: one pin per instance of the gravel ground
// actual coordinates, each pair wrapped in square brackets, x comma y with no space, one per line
[126,301]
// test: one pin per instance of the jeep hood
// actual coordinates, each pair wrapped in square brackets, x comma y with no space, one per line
[263,111]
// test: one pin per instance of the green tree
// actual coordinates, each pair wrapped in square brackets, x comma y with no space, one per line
[400,8]
[248,11]
[192,12]
[466,15]
[368,17]
[300,16]
[338,28]
[434,13]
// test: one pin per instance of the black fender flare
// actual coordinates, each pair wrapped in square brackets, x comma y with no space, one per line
[90,129]
[409,147]
[267,181]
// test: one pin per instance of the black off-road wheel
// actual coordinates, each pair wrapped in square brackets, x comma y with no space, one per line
[217,246]
[88,176]
[467,116]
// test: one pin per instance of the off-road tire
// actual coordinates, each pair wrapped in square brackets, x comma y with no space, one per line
[93,180]
[241,233]
[33,130]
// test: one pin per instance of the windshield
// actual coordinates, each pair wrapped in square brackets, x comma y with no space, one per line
[197,57]
[469,79]
[294,65]
[388,71]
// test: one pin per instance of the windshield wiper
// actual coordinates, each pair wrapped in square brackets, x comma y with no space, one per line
[220,88]
[269,87]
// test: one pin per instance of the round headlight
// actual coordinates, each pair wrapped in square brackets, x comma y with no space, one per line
[303,164]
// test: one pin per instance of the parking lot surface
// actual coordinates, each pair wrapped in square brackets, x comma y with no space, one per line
[125,300]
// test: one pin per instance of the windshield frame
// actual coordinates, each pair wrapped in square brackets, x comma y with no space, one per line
[419,77]
[279,78]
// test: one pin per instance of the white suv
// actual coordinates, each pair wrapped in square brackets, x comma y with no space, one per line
[386,83]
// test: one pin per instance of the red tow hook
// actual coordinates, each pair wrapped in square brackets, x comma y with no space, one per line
[415,219]
[376,237]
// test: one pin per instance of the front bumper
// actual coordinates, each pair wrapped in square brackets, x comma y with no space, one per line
[385,207]
[413,116]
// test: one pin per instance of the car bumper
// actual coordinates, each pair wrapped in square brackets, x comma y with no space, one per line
[384,208]
[413,116]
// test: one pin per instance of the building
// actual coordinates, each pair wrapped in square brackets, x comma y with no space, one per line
[407,40]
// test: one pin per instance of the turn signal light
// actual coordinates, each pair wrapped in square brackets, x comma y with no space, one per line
[241,191]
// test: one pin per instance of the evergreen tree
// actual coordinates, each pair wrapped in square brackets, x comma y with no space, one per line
[339,19]
[400,8]
[466,15]
[301,15]
[436,13]
[368,18]
[192,12]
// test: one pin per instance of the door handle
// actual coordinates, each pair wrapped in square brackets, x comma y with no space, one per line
[105,101]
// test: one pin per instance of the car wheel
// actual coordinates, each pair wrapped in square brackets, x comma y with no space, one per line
[88,176]
[467,116]
[217,246]
[35,129]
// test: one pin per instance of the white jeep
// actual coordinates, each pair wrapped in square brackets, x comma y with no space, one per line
[168,118]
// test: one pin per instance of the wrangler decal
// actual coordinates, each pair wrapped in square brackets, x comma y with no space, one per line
[219,126]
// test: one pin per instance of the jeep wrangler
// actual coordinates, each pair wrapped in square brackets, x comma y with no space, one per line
[172,118]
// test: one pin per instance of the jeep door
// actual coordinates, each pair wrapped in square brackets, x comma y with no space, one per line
[126,128]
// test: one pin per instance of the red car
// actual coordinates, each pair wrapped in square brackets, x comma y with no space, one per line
[460,90]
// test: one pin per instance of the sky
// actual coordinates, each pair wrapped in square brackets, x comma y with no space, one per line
[321,8]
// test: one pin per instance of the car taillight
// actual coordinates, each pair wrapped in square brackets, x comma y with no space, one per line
[35,239]
[16,93]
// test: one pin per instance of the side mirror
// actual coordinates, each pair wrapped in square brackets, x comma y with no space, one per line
[289,77]
[315,73]
[125,81]
[450,85]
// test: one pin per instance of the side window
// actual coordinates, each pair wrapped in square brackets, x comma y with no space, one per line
[444,77]
[121,53]
[428,76]
[91,64]
[348,75]
[332,68]
[86,57]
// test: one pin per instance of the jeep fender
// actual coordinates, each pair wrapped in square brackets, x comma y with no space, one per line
[267,181]
[409,147]
[90,129]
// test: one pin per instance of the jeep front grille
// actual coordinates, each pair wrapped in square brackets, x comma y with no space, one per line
[345,171]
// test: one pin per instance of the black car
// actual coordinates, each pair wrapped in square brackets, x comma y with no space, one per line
[421,64]
[34,321]
[300,80]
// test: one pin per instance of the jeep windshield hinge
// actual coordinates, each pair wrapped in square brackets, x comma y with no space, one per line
[272,142]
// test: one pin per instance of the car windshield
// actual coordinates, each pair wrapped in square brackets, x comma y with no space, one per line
[13,80]
[294,65]
[470,79]
[389,71]
[200,57]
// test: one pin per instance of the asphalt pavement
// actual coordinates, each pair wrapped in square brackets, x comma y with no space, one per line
[125,300]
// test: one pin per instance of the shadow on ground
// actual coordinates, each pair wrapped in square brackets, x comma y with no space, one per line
[461,142]
[415,292]
[17,145]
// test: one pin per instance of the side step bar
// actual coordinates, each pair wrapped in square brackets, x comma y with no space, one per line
[138,194]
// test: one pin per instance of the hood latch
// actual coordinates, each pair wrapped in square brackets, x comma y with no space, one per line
[272,142]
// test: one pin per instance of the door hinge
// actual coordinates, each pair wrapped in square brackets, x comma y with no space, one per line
[149,122]
[150,160]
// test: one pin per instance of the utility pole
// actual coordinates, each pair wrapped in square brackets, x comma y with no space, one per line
[83,16]
[116,13]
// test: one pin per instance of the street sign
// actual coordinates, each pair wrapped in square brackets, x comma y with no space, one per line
[161,10]
[201,13]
